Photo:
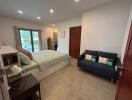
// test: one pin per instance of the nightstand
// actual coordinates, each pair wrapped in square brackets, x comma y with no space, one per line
[28,91]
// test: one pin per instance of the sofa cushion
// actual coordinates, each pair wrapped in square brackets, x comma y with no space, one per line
[97,68]
[95,53]
[109,55]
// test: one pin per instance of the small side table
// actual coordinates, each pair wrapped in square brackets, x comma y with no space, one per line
[28,91]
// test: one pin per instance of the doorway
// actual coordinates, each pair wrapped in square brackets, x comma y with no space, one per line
[74,41]
[52,42]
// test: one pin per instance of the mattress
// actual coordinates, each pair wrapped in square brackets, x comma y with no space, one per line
[47,58]
[33,65]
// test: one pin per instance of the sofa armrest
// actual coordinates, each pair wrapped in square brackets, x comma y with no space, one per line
[80,58]
[118,65]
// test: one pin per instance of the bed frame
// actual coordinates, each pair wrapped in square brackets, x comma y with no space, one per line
[40,75]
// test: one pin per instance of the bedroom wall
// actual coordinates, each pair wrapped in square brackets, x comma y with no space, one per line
[126,34]
[7,35]
[103,27]
[63,43]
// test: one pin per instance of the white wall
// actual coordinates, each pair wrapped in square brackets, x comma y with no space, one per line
[7,34]
[126,34]
[103,27]
[63,43]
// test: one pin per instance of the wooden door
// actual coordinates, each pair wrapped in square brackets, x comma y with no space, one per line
[75,38]
[125,84]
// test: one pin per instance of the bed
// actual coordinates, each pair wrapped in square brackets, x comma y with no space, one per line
[45,63]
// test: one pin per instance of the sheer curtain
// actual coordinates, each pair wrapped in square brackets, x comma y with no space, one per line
[17,37]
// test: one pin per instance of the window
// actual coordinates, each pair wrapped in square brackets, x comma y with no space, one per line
[30,40]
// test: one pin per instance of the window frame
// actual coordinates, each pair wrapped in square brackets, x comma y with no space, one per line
[31,34]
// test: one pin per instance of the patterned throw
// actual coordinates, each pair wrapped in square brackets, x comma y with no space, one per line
[106,61]
[90,57]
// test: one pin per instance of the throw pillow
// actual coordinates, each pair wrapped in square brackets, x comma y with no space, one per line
[110,62]
[103,60]
[106,61]
[25,60]
[26,53]
[90,57]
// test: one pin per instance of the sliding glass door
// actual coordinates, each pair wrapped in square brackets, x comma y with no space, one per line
[26,43]
[30,40]
[36,42]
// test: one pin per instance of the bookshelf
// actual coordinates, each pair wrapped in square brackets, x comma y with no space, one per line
[9,57]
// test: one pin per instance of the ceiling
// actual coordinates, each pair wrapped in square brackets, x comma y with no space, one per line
[63,9]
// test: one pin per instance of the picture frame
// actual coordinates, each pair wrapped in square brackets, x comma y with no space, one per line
[63,34]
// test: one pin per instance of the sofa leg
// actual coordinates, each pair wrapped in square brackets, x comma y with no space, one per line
[113,80]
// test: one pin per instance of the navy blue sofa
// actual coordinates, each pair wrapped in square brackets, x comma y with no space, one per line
[103,70]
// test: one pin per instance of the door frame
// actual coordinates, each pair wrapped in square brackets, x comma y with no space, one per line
[31,34]
[124,59]
[70,38]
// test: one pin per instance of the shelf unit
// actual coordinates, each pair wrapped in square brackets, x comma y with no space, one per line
[9,57]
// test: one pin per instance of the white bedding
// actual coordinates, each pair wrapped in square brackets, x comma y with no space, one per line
[47,58]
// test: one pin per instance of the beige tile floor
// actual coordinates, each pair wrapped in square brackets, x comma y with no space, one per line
[71,83]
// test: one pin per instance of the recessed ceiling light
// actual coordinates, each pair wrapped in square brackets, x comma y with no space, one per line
[51,11]
[20,12]
[38,17]
[76,0]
